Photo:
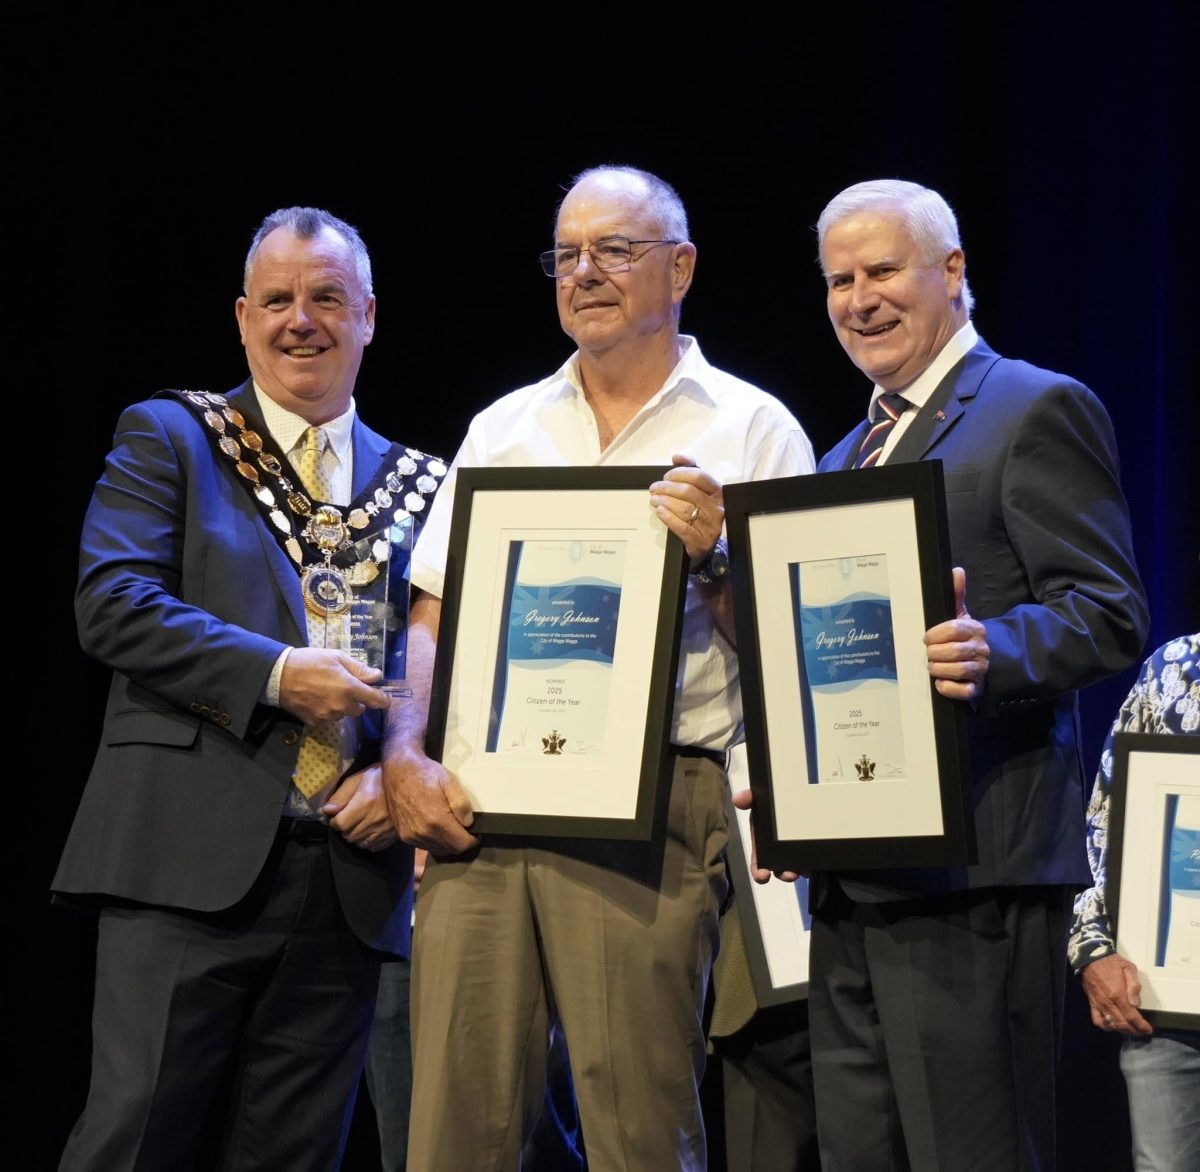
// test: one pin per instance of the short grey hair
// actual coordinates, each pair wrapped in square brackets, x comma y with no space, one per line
[928,217]
[666,206]
[307,224]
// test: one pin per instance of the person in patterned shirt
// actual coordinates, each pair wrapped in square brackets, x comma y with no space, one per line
[1161,1068]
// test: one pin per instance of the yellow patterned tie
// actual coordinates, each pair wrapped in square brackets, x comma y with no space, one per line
[320,752]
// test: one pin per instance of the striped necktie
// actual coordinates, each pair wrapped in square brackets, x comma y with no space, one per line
[891,407]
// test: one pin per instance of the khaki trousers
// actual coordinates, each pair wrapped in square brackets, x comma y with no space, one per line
[613,939]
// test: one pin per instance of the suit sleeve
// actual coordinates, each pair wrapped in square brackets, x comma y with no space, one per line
[137,601]
[1067,521]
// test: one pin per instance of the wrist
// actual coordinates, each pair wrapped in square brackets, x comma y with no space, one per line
[715,567]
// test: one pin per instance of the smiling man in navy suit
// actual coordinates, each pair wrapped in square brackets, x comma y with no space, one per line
[233,836]
[936,995]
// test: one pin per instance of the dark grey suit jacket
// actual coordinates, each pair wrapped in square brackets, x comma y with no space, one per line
[186,594]
[1039,522]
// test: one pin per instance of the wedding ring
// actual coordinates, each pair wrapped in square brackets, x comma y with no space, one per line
[1108,1020]
[693,514]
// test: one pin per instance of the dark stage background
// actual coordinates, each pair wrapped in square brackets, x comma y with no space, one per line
[143,156]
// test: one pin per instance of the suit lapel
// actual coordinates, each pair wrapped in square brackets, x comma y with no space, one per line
[369,451]
[285,572]
[945,406]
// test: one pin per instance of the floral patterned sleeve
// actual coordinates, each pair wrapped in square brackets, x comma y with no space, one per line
[1165,699]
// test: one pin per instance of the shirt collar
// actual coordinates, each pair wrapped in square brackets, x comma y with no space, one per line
[286,427]
[692,367]
[918,391]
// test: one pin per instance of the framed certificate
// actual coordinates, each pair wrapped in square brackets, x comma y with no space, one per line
[775,916]
[1153,881]
[557,652]
[855,758]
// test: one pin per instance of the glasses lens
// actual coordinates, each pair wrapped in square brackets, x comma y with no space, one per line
[612,254]
[554,260]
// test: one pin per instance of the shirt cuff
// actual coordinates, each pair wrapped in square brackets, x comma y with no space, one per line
[271,691]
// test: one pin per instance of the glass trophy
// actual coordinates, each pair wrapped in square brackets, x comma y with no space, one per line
[366,608]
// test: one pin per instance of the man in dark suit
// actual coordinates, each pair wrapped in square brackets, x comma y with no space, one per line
[233,836]
[936,995]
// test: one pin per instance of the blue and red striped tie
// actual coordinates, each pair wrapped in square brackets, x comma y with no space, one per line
[891,407]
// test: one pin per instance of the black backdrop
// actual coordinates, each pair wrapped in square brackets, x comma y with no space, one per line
[143,154]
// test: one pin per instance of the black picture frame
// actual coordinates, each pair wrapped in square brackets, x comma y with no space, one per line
[1153,775]
[880,536]
[775,918]
[610,780]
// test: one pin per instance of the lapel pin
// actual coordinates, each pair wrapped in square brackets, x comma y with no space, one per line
[940,416]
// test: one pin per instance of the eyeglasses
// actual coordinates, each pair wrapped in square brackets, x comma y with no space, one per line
[613,254]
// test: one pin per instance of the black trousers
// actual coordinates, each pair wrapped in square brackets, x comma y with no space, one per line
[935,1028]
[232,1040]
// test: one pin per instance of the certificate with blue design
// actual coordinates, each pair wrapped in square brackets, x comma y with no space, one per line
[1179,894]
[846,658]
[554,659]
[558,651]
[855,759]
[1152,885]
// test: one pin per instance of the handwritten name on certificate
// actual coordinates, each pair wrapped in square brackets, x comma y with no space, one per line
[554,662]
[846,652]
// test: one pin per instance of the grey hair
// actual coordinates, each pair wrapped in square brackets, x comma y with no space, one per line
[665,204]
[308,223]
[928,217]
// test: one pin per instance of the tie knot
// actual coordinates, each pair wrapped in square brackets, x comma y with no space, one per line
[891,407]
[892,404]
[314,441]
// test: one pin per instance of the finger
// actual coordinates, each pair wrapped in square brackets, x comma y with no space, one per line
[371,697]
[743,799]
[379,840]
[959,577]
[688,476]
[460,805]
[1133,985]
[685,518]
[954,690]
[444,841]
[685,509]
[358,669]
[958,638]
[961,672]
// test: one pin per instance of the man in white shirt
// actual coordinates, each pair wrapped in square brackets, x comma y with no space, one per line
[612,940]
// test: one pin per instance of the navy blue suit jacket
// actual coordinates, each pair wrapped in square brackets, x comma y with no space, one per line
[1038,520]
[186,594]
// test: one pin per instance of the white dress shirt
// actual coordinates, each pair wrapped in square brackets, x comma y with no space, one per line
[733,430]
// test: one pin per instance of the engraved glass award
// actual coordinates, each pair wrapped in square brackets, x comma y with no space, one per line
[368,590]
